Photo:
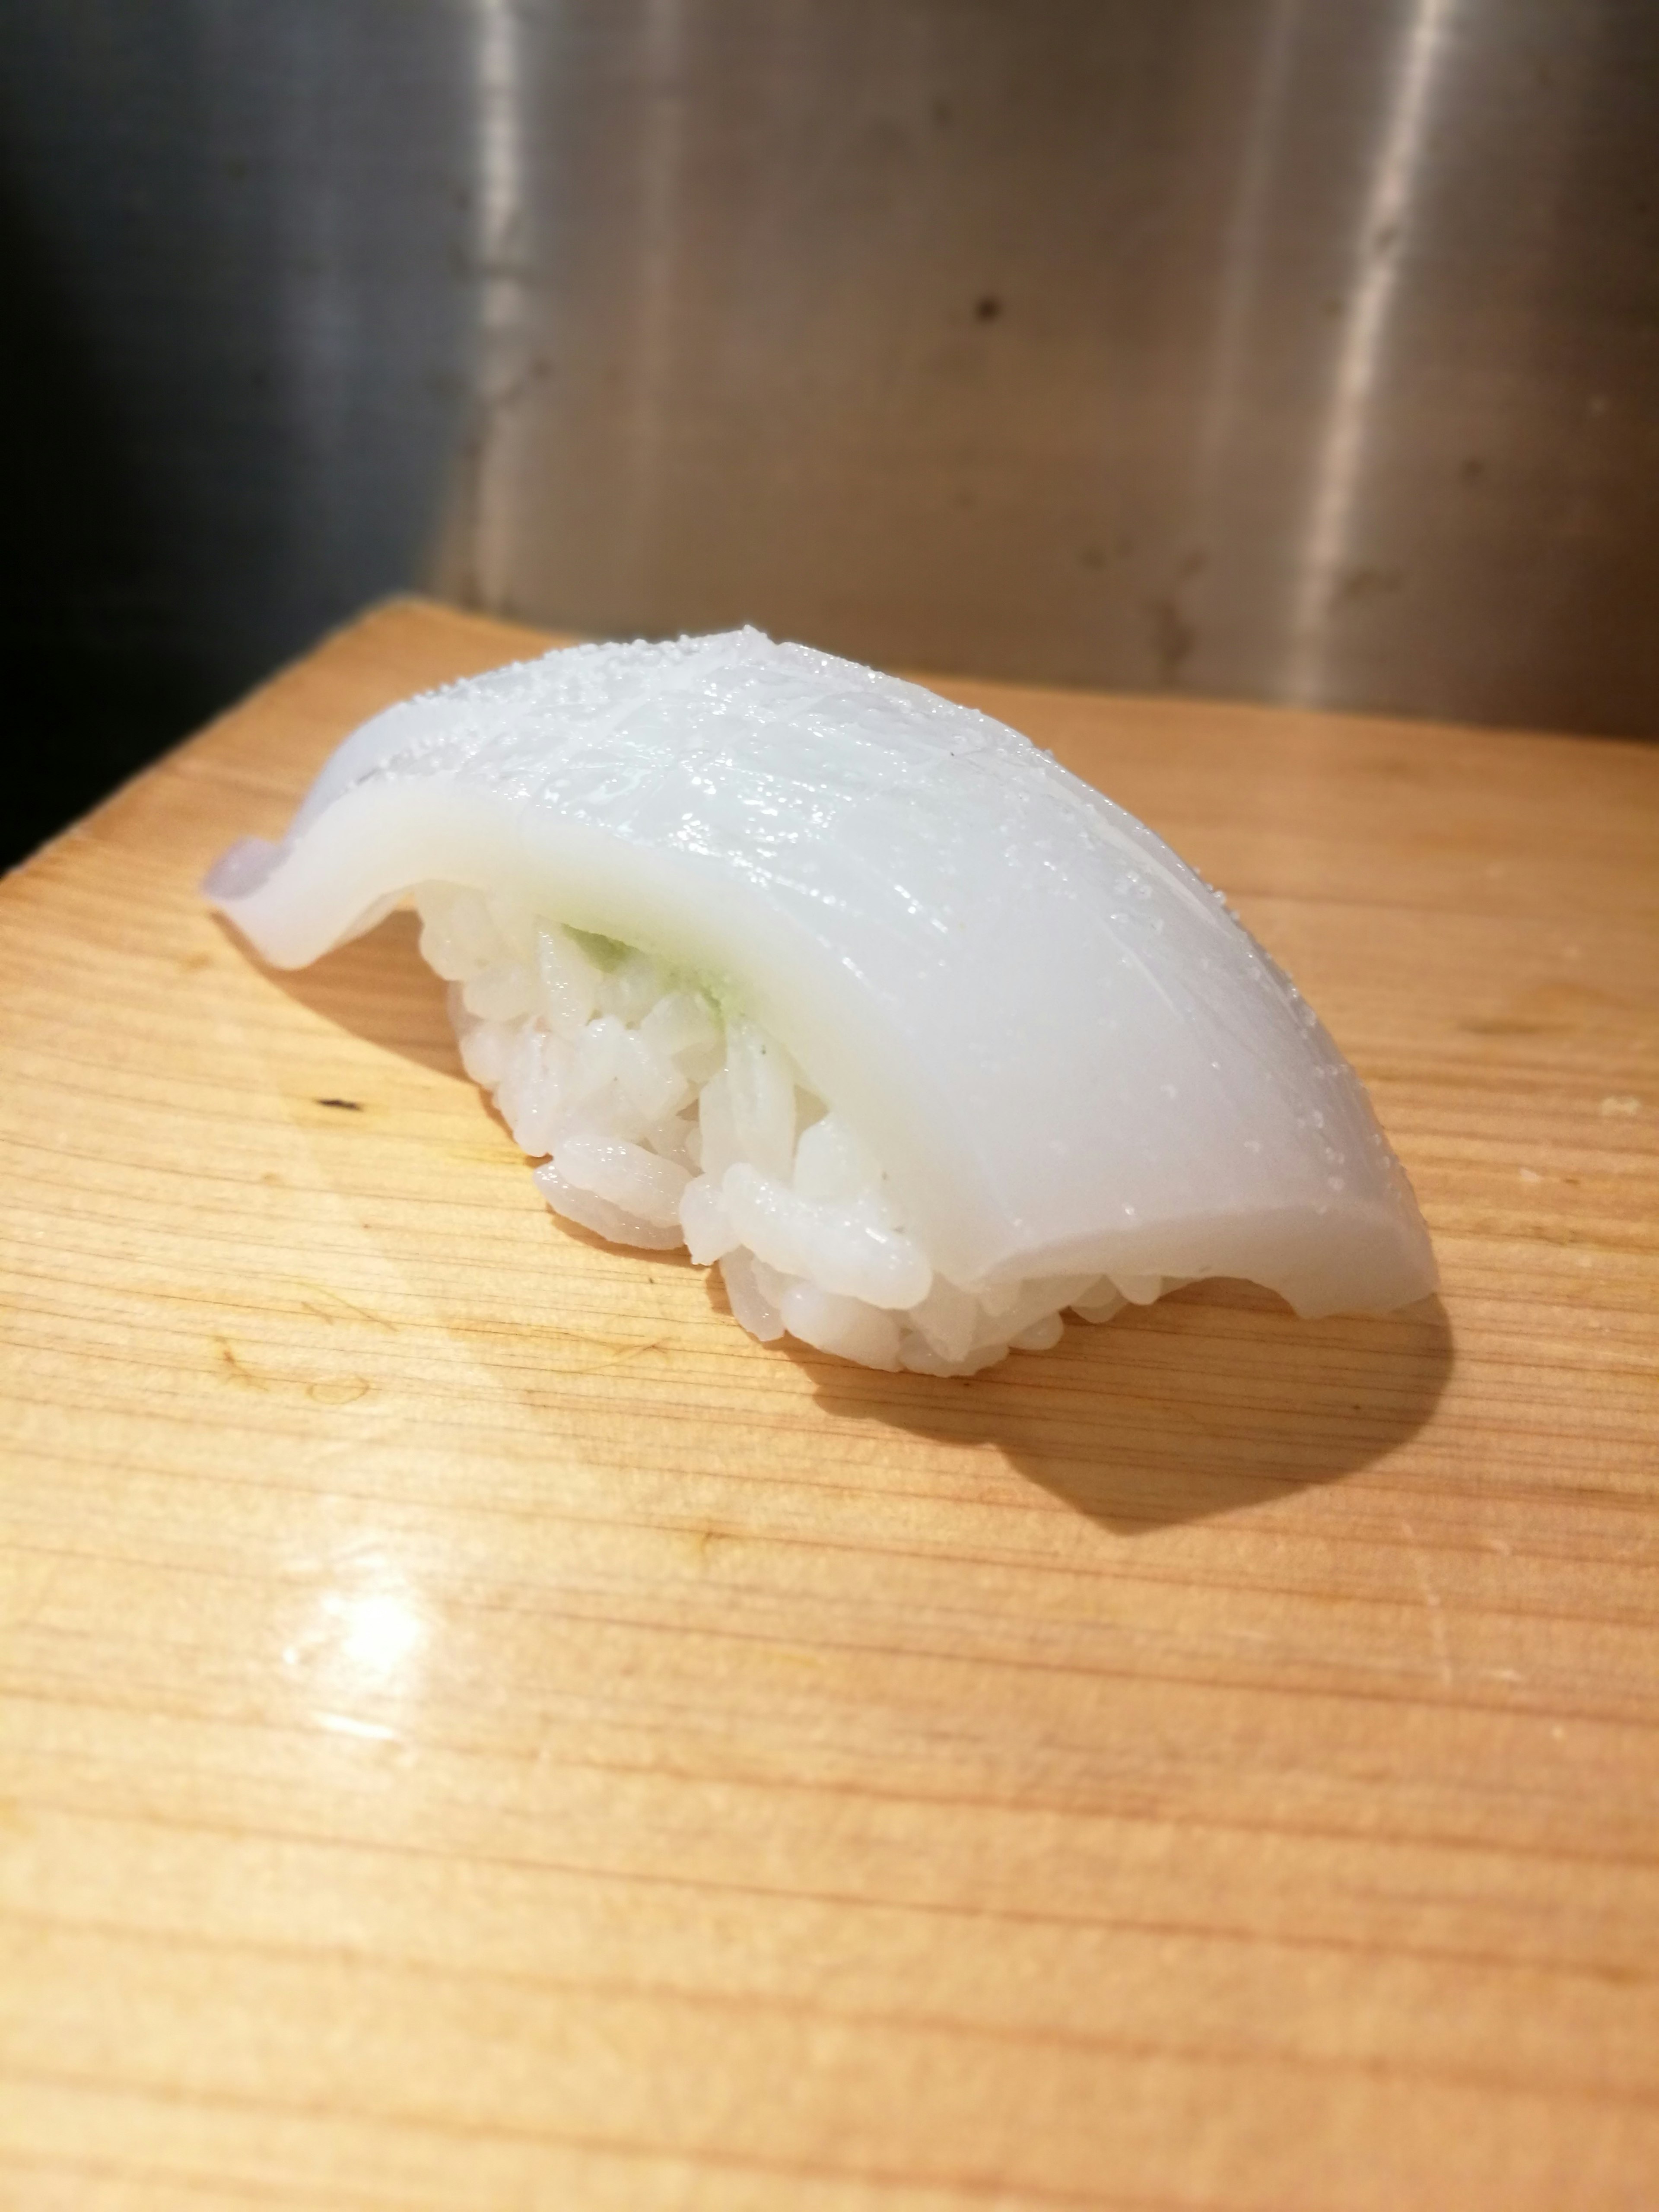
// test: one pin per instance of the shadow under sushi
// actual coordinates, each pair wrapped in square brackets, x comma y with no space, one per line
[377,987]
[1215,1399]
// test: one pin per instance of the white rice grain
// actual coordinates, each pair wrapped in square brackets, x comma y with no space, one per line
[662,1122]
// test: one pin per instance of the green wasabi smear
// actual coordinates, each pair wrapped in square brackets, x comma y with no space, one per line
[605,952]
[723,993]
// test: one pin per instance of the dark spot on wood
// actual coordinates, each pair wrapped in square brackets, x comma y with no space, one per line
[986,308]
[344,1105]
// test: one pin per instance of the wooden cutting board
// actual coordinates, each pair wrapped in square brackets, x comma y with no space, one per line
[479,1731]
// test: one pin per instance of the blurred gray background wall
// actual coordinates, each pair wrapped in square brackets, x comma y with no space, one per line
[1302,349]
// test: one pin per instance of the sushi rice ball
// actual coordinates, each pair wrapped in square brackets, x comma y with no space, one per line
[852,992]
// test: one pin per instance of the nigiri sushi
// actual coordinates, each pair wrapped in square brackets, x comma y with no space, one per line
[851,991]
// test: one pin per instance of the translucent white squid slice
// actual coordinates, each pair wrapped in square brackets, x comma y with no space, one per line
[1067,1056]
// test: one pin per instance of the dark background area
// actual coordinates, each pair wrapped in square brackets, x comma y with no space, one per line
[95,672]
[233,355]
[1253,348]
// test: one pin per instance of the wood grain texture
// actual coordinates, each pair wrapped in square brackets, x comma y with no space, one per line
[479,1731]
